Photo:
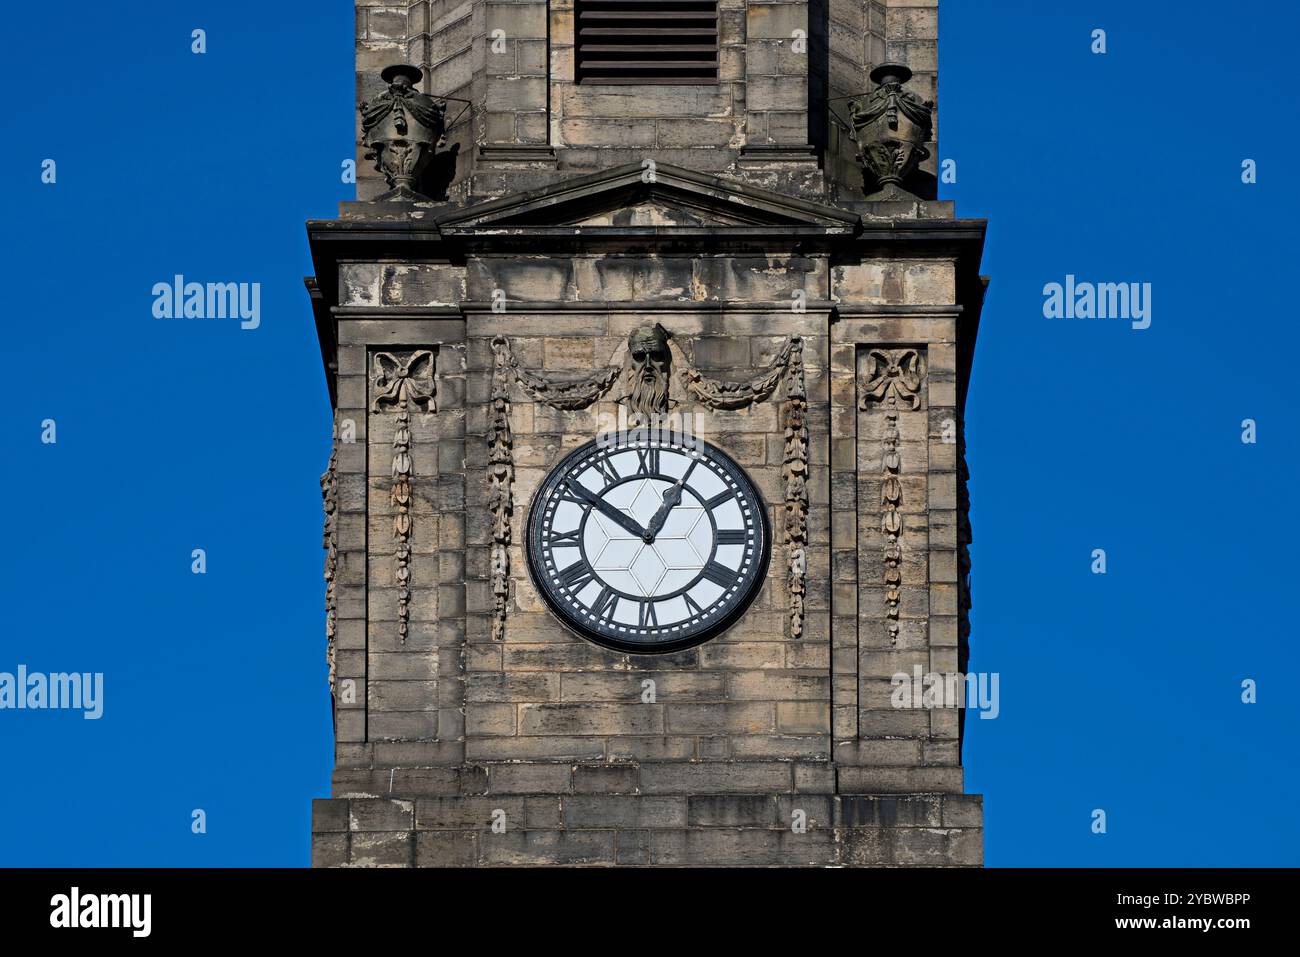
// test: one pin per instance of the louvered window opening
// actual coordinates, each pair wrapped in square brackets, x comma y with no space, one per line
[646,41]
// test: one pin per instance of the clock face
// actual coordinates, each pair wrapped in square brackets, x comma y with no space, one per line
[647,544]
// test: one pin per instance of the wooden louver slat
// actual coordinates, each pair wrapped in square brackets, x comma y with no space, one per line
[646,41]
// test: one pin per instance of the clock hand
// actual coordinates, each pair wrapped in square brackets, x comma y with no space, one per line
[613,514]
[671,500]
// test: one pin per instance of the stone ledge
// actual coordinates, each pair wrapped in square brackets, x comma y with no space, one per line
[935,830]
[761,776]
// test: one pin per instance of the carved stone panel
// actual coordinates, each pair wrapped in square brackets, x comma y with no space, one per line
[329,541]
[413,543]
[403,383]
[892,383]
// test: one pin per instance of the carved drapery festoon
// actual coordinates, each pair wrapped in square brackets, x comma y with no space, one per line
[894,378]
[501,478]
[891,126]
[330,503]
[567,393]
[402,127]
[721,394]
[786,366]
[402,384]
[645,374]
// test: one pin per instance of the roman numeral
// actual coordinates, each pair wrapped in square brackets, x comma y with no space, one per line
[557,539]
[694,606]
[576,577]
[605,604]
[731,536]
[647,461]
[719,499]
[646,616]
[569,495]
[720,574]
[607,471]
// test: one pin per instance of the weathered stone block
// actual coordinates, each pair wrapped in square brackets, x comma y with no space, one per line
[380,815]
[548,847]
[382,849]
[446,849]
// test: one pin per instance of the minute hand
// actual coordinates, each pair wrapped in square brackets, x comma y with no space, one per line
[609,511]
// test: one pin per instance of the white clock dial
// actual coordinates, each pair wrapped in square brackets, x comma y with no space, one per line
[647,543]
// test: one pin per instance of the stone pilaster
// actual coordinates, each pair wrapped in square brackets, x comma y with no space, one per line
[513,92]
[777,80]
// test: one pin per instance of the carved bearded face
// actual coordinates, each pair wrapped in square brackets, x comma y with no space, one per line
[647,369]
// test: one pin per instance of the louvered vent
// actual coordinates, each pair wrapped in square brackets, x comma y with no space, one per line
[647,41]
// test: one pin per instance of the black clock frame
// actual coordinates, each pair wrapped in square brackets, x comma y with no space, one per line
[606,638]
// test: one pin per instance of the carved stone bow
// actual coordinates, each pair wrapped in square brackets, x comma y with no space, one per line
[896,374]
[404,383]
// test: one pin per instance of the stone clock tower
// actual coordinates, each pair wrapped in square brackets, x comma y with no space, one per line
[648,345]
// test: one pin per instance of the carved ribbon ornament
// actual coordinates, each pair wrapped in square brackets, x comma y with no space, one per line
[329,541]
[894,378]
[403,384]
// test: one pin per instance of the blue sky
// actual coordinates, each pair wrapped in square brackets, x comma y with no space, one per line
[1119,692]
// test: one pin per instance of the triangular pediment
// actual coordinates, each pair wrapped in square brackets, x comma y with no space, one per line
[660,212]
[635,197]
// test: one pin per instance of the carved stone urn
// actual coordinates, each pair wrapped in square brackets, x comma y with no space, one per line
[402,127]
[891,126]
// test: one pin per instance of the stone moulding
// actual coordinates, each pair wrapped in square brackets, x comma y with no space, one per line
[403,383]
[895,377]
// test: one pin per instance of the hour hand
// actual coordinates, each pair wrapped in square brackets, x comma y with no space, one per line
[672,498]
[609,511]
